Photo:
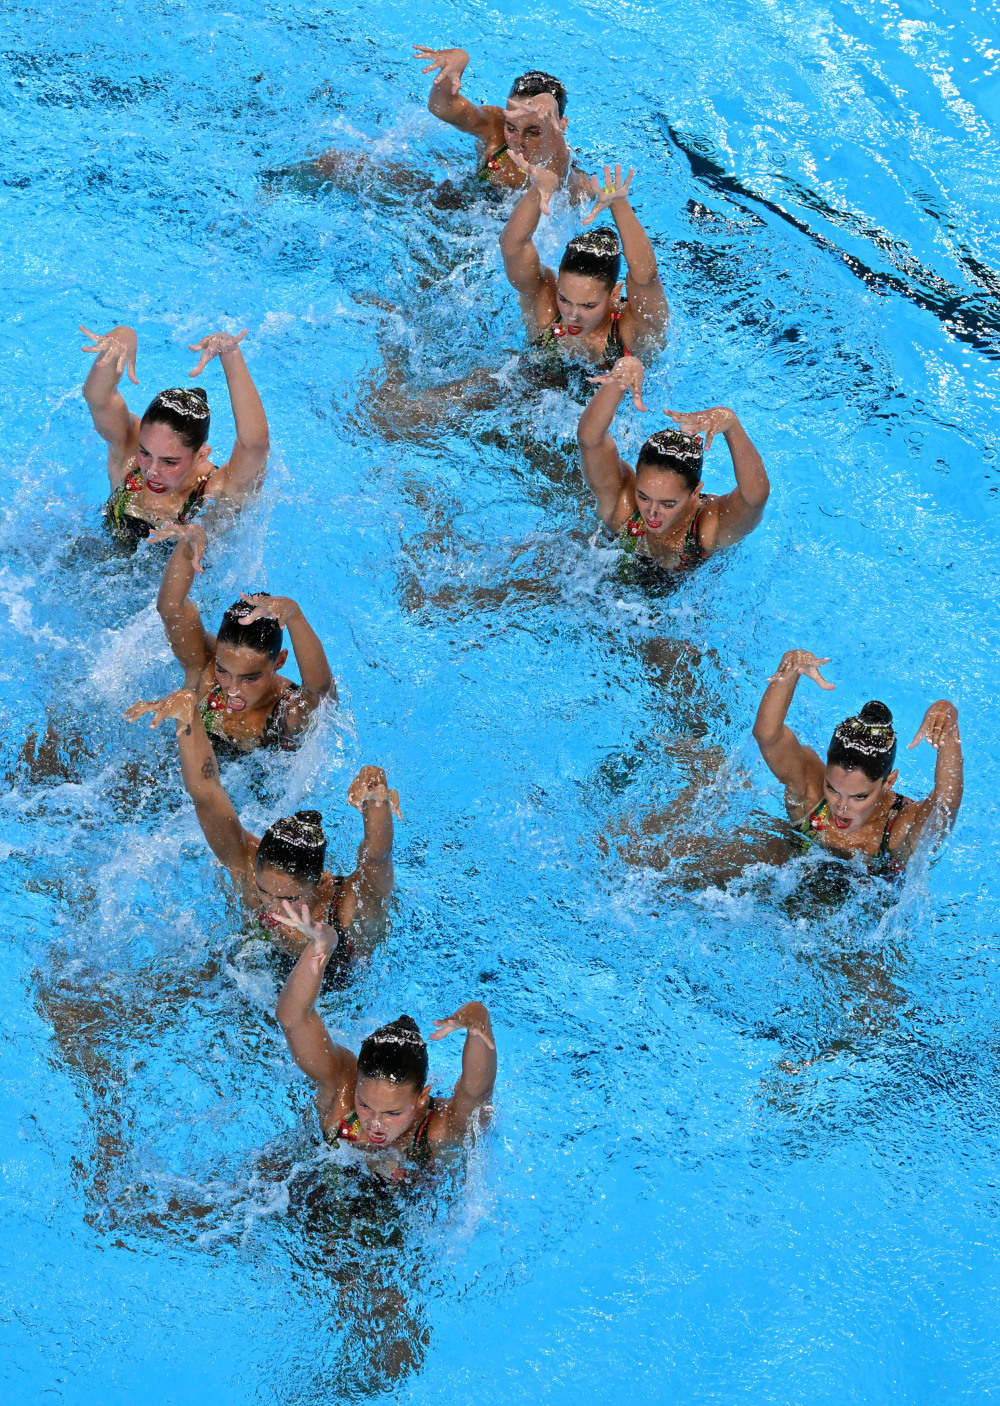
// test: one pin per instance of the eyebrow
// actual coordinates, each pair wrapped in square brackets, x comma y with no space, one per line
[262,889]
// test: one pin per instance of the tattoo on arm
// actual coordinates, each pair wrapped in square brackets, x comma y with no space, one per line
[208,769]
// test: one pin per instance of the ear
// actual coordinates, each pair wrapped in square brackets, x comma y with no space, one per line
[891,779]
[280,660]
[616,291]
[425,1097]
[203,454]
[561,124]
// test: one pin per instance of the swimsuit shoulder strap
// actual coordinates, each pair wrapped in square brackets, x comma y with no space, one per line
[193,501]
[273,732]
[615,346]
[491,162]
[816,818]
[420,1148]
[348,1126]
[895,811]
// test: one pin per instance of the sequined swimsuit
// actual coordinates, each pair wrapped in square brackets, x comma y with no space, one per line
[631,536]
[491,163]
[273,734]
[883,863]
[128,527]
[335,975]
[614,347]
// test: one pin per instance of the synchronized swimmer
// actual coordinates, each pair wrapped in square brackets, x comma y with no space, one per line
[234,700]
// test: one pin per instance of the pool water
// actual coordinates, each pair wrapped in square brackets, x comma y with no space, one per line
[745,1143]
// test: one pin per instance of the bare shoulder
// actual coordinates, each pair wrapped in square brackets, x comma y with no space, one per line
[579,186]
[122,456]
[492,125]
[625,507]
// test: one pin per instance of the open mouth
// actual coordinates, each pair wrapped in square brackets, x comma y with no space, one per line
[377,1138]
[155,487]
[573,329]
[842,824]
[235,705]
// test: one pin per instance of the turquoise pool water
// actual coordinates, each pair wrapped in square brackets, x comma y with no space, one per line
[745,1142]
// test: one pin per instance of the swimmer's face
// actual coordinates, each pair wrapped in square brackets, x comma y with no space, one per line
[274,887]
[853,797]
[167,463]
[584,303]
[387,1110]
[245,676]
[662,497]
[532,127]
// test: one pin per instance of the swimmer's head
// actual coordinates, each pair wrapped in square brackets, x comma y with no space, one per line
[391,1092]
[264,635]
[667,477]
[290,859]
[173,438]
[587,285]
[533,84]
[247,657]
[859,766]
[534,120]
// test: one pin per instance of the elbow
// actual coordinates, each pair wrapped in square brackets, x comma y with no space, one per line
[761,735]
[256,444]
[286,1015]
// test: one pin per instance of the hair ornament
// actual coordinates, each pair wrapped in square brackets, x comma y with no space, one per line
[184,402]
[870,739]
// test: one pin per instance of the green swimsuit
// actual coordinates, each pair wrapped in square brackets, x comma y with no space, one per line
[883,863]
[273,734]
[630,540]
[128,527]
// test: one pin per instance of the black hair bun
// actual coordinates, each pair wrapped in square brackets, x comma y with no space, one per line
[876,714]
[199,391]
[310,817]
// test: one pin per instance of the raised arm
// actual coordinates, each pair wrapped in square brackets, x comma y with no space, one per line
[521,263]
[220,824]
[115,352]
[373,879]
[738,512]
[798,768]
[479,1066]
[646,310]
[317,680]
[245,467]
[331,1067]
[940,729]
[607,477]
[445,99]
[182,624]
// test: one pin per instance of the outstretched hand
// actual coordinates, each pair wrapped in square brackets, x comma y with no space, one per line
[323,936]
[215,344]
[118,346]
[940,721]
[181,705]
[371,784]
[546,182]
[800,662]
[627,372]
[612,189]
[706,422]
[473,1017]
[451,62]
[191,532]
[279,608]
